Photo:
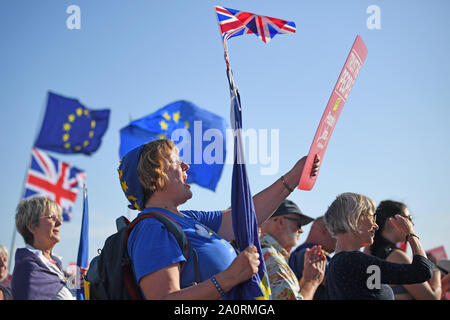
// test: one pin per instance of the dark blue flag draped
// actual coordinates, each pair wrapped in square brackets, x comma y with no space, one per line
[83,248]
[199,134]
[245,226]
[70,127]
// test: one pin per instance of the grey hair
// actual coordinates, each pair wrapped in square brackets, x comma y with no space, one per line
[343,214]
[29,212]
[4,252]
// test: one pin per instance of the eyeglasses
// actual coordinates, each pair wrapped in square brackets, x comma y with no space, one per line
[372,217]
[53,217]
[299,224]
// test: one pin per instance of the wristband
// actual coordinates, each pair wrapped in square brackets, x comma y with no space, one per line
[285,184]
[217,285]
[410,235]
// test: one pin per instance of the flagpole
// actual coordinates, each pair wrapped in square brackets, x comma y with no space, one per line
[231,83]
[227,61]
[128,209]
[83,247]
[11,248]
[13,240]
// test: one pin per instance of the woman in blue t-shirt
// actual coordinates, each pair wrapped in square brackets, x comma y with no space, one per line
[154,179]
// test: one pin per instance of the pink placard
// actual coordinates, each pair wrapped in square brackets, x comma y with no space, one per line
[438,253]
[334,107]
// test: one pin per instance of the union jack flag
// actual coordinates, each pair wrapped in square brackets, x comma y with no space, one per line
[234,23]
[54,179]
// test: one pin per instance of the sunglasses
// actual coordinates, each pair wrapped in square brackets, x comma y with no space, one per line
[299,223]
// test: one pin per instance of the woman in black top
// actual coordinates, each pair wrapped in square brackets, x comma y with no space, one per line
[384,247]
[353,274]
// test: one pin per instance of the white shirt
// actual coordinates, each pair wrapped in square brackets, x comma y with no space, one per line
[64,293]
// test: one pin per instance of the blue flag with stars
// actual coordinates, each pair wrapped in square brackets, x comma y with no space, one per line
[70,127]
[199,135]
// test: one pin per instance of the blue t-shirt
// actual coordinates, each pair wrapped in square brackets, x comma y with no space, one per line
[151,247]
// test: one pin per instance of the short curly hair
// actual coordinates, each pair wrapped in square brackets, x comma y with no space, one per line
[29,211]
[343,214]
[152,166]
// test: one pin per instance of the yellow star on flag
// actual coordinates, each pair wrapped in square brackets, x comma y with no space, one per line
[166,116]
[163,125]
[124,186]
[176,116]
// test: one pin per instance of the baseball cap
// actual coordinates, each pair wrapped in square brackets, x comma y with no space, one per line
[288,207]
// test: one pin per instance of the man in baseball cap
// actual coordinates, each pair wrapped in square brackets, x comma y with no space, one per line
[281,233]
[290,210]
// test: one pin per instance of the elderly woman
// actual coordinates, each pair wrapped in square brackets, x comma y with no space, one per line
[5,290]
[37,272]
[384,247]
[154,179]
[353,274]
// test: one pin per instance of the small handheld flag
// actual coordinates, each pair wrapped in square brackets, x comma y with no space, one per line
[333,109]
[233,23]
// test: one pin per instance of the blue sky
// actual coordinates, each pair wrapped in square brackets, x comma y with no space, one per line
[134,57]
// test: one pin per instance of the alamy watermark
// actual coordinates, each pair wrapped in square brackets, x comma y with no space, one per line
[260,146]
[75,279]
[74,20]
[374,280]
[374,20]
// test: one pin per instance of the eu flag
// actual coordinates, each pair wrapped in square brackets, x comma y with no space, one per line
[83,248]
[245,226]
[199,134]
[70,127]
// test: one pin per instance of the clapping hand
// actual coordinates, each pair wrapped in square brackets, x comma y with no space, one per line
[314,265]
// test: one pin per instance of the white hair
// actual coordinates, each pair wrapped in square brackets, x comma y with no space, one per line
[343,214]
[4,252]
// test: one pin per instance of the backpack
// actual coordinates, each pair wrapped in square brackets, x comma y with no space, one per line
[110,275]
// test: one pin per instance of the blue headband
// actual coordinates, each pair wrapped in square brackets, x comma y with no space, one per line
[129,181]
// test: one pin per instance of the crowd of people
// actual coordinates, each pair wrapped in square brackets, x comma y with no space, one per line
[349,253]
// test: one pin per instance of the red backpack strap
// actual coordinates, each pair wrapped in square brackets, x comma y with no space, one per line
[127,271]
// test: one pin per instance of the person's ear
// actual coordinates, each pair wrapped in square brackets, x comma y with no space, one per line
[31,227]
